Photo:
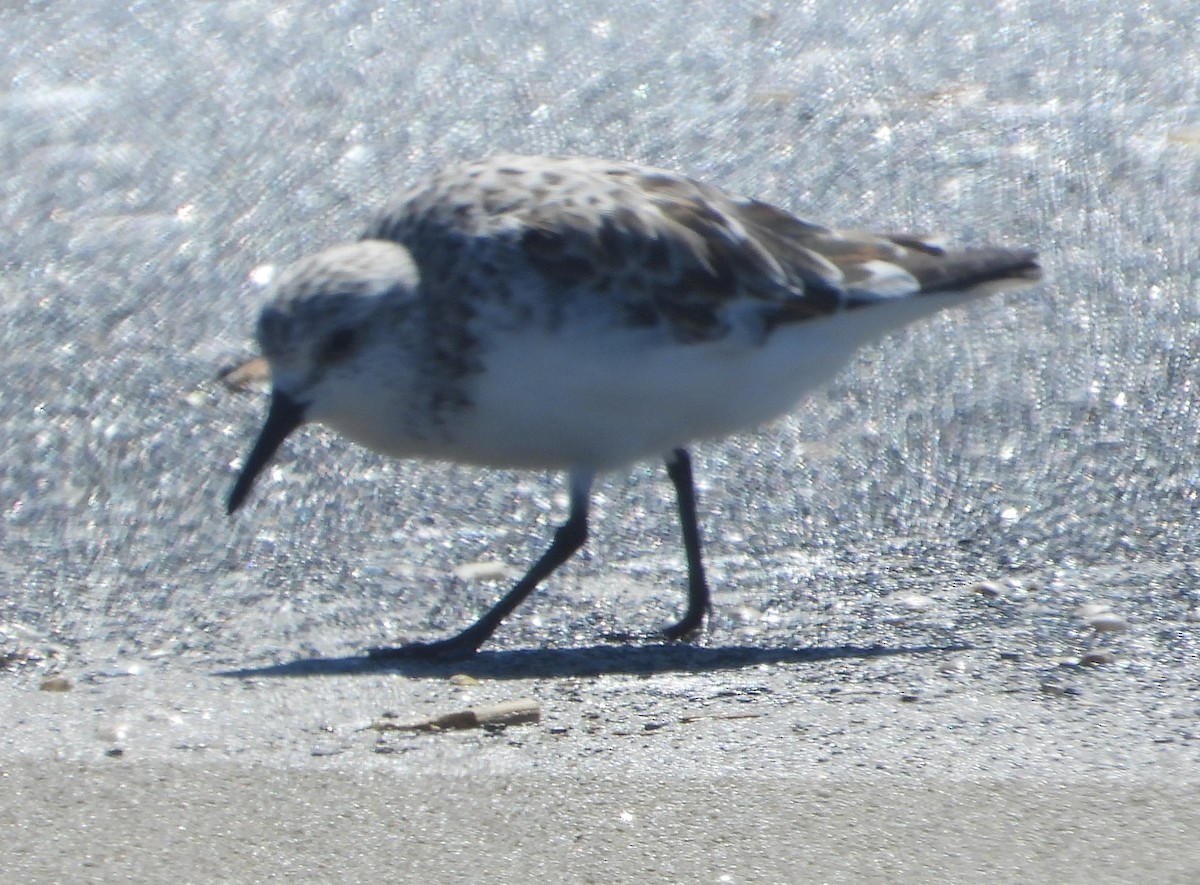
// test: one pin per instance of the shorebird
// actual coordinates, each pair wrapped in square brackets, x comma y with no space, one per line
[581,315]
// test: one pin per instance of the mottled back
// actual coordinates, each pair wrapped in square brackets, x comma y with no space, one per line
[663,248]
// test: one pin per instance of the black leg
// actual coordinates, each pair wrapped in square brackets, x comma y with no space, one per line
[567,539]
[679,468]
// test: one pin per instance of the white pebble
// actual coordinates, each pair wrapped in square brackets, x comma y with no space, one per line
[1108,622]
[482,571]
[119,670]
[747,614]
[1091,609]
[114,732]
[263,274]
[989,589]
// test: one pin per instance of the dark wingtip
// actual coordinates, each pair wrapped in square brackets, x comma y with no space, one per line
[981,270]
[1030,267]
[1021,269]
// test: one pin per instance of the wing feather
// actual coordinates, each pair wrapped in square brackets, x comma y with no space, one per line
[666,249]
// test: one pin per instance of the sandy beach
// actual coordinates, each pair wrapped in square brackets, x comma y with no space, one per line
[955,594]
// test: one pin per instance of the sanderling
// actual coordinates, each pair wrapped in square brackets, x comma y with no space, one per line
[581,314]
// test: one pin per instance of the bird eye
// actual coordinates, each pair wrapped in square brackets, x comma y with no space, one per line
[339,345]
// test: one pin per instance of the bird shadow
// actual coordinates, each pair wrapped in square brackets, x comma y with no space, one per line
[593,660]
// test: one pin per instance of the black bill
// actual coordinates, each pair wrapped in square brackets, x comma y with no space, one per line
[284,416]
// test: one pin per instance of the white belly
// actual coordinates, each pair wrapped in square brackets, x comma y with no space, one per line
[603,401]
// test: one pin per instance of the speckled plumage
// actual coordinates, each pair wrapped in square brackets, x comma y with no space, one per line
[581,314]
[659,247]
